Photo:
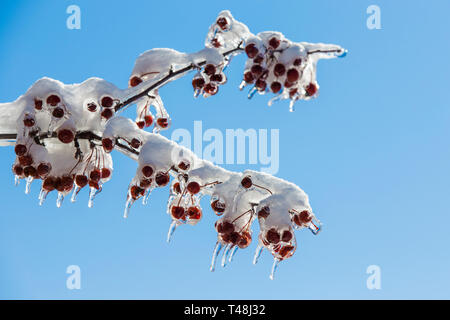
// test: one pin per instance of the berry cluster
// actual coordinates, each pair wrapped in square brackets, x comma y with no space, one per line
[146,118]
[207,80]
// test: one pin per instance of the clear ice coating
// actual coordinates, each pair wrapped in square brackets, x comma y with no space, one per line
[275,264]
[65,134]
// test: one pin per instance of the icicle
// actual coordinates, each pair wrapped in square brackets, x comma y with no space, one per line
[232,253]
[92,193]
[252,92]
[274,99]
[146,196]
[258,251]
[242,85]
[197,92]
[16,180]
[276,262]
[128,205]
[42,196]
[27,186]
[75,193]
[225,255]
[60,199]
[291,105]
[172,228]
[315,229]
[216,252]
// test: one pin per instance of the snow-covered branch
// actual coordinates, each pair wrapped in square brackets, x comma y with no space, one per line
[63,135]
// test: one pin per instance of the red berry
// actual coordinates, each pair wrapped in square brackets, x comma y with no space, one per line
[248,77]
[92,106]
[279,70]
[222,22]
[147,171]
[292,75]
[107,144]
[49,184]
[302,218]
[106,173]
[257,69]
[210,69]
[288,84]
[134,81]
[261,85]
[58,113]
[311,89]
[251,50]
[95,175]
[176,188]
[193,187]
[293,92]
[107,102]
[264,212]
[162,179]
[67,183]
[286,236]
[275,86]
[218,206]
[17,170]
[107,113]
[25,160]
[94,184]
[66,136]
[135,143]
[217,77]
[178,212]
[53,100]
[259,58]
[246,182]
[274,43]
[148,120]
[184,165]
[29,171]
[136,192]
[162,122]
[273,236]
[43,169]
[297,62]
[198,83]
[20,149]
[286,251]
[244,240]
[145,183]
[38,104]
[194,213]
[225,227]
[211,89]
[81,180]
[28,122]
[216,43]
[140,124]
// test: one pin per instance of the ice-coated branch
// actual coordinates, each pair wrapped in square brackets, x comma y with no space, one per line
[64,135]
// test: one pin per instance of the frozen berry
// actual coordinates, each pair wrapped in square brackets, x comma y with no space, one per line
[136,192]
[258,59]
[279,70]
[66,136]
[107,144]
[28,122]
[218,206]
[107,102]
[53,100]
[273,236]
[140,124]
[275,86]
[194,213]
[106,173]
[58,113]
[274,42]
[25,160]
[261,85]
[210,69]
[49,184]
[311,89]
[286,236]
[29,171]
[38,104]
[246,182]
[248,77]
[178,212]
[222,22]
[134,81]
[148,120]
[292,75]
[20,149]
[297,62]
[257,69]
[193,187]
[147,171]
[95,175]
[135,143]
[81,180]
[217,77]
[43,169]
[211,89]
[198,83]
[17,169]
[176,188]
[264,212]
[251,50]
[162,122]
[92,107]
[162,179]
[107,113]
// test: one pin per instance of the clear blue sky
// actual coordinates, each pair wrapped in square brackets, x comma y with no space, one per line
[372,152]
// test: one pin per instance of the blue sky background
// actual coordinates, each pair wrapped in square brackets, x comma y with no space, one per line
[372,152]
